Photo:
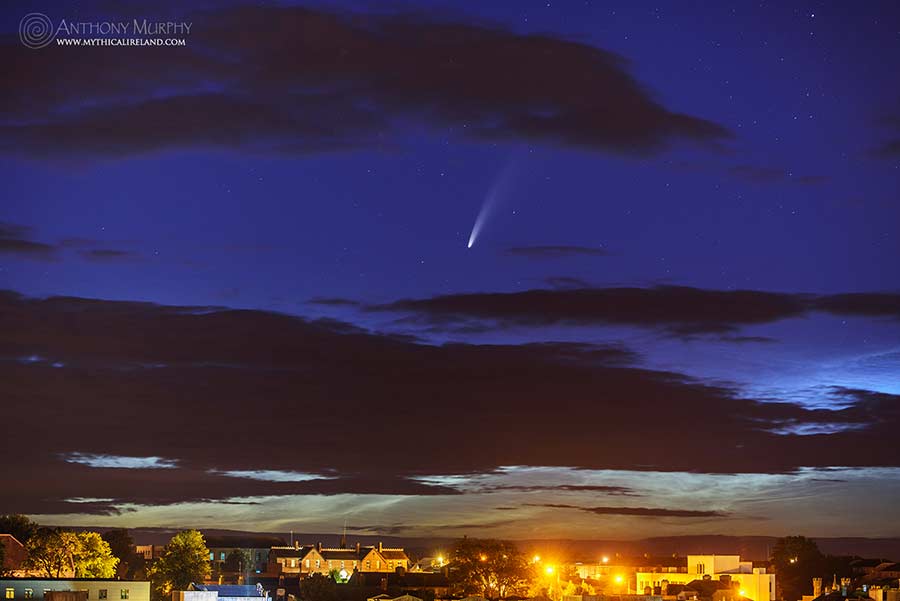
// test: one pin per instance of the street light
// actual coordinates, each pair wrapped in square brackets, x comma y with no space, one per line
[550,570]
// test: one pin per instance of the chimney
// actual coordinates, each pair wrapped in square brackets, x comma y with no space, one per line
[379,546]
[319,546]
[296,544]
[357,547]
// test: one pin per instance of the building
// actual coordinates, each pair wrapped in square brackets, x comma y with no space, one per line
[149,552]
[14,554]
[432,584]
[304,560]
[254,549]
[222,592]
[90,589]
[749,582]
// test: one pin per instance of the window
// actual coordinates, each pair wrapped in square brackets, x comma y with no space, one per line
[212,555]
[342,564]
[123,593]
[318,563]
[29,593]
[222,555]
[103,594]
[368,565]
[258,556]
[307,564]
[10,593]
[378,564]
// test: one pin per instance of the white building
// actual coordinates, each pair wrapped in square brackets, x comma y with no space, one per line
[26,589]
[752,583]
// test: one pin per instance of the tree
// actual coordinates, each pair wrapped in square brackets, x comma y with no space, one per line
[238,561]
[122,546]
[184,560]
[56,553]
[93,557]
[797,560]
[318,587]
[52,552]
[491,568]
[792,551]
[19,526]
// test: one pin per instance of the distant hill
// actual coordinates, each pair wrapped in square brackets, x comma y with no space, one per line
[749,547]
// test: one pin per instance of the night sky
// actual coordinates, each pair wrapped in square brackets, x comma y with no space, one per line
[519,269]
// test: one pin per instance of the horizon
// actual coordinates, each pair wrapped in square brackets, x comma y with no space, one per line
[530,270]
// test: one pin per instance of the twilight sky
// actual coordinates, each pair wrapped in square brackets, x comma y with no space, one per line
[520,269]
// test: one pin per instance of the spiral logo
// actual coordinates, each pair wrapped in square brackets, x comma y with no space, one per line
[36,30]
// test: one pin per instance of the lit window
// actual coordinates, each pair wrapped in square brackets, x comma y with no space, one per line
[123,593]
[378,565]
[342,564]
[10,593]
[368,565]
[307,564]
[29,593]
[318,563]
[103,594]
[222,555]
[212,556]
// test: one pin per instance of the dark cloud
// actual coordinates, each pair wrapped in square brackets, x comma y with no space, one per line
[639,511]
[889,149]
[868,304]
[340,83]
[223,390]
[334,302]
[18,240]
[748,339]
[679,311]
[555,252]
[15,240]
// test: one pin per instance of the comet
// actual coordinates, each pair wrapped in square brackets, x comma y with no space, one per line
[497,193]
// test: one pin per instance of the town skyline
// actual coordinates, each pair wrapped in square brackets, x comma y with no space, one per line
[532,270]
